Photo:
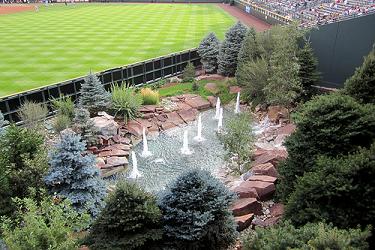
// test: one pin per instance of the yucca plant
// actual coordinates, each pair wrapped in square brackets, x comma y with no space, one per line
[149,96]
[125,101]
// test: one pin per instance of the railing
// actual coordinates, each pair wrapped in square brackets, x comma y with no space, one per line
[136,74]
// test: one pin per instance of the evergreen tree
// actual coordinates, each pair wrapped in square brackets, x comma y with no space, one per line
[130,220]
[308,71]
[250,49]
[94,97]
[228,54]
[74,175]
[195,212]
[23,163]
[208,50]
[3,122]
[189,73]
[361,85]
[84,126]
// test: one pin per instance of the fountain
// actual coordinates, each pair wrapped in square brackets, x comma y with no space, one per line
[185,148]
[220,122]
[134,173]
[199,137]
[217,114]
[145,152]
[237,110]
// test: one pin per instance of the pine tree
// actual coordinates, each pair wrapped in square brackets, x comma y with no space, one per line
[74,175]
[3,122]
[308,71]
[84,126]
[195,212]
[250,49]
[93,95]
[130,220]
[361,85]
[228,54]
[208,50]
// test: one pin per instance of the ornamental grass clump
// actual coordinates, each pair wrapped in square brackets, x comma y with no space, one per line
[32,114]
[149,96]
[125,101]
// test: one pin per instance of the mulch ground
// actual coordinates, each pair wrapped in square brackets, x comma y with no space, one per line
[9,9]
[245,18]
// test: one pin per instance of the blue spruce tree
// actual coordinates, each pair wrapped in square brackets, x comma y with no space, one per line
[209,50]
[94,97]
[196,212]
[73,175]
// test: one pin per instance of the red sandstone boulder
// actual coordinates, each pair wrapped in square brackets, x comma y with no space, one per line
[244,221]
[212,88]
[115,152]
[265,169]
[116,146]
[287,129]
[212,100]
[134,128]
[245,191]
[100,163]
[188,115]
[270,156]
[198,103]
[266,223]
[167,125]
[275,113]
[174,118]
[277,210]
[264,178]
[234,89]
[265,190]
[116,161]
[183,106]
[246,206]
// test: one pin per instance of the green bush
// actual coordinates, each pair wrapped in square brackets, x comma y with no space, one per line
[85,127]
[32,114]
[361,85]
[149,96]
[3,122]
[189,73]
[238,140]
[195,86]
[61,122]
[43,225]
[130,220]
[340,191]
[64,106]
[311,236]
[23,164]
[125,101]
[196,212]
[329,125]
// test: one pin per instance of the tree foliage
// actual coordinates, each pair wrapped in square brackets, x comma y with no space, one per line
[23,163]
[189,73]
[43,225]
[73,174]
[361,85]
[340,191]
[94,97]
[195,212]
[32,114]
[310,236]
[228,54]
[328,125]
[250,49]
[130,220]
[3,122]
[84,126]
[208,50]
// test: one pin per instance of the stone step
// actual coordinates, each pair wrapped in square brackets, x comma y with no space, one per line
[246,206]
[264,178]
[244,221]
[265,190]
[114,152]
[244,190]
[265,169]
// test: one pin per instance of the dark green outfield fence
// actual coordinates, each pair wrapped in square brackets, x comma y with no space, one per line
[135,74]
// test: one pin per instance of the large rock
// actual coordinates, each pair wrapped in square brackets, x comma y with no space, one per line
[212,88]
[246,206]
[277,210]
[115,152]
[270,156]
[183,106]
[117,161]
[167,125]
[266,223]
[188,115]
[265,190]
[198,103]
[287,129]
[234,89]
[115,147]
[174,118]
[264,178]
[265,169]
[244,190]
[244,221]
[134,128]
[212,100]
[275,113]
[105,126]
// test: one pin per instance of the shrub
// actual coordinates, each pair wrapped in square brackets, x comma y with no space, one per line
[195,212]
[253,76]
[340,191]
[74,175]
[238,140]
[195,86]
[125,101]
[228,54]
[32,114]
[130,220]
[94,97]
[85,127]
[43,225]
[61,122]
[64,106]
[250,49]
[23,163]
[361,85]
[189,73]
[3,122]
[311,236]
[208,50]
[328,125]
[149,96]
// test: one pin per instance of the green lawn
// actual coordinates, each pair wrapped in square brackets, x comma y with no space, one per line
[62,42]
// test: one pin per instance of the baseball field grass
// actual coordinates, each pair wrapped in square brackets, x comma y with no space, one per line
[62,42]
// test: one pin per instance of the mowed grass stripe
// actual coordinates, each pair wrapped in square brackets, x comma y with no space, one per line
[63,42]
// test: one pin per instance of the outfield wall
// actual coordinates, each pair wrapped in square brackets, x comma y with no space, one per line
[135,74]
[157,1]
